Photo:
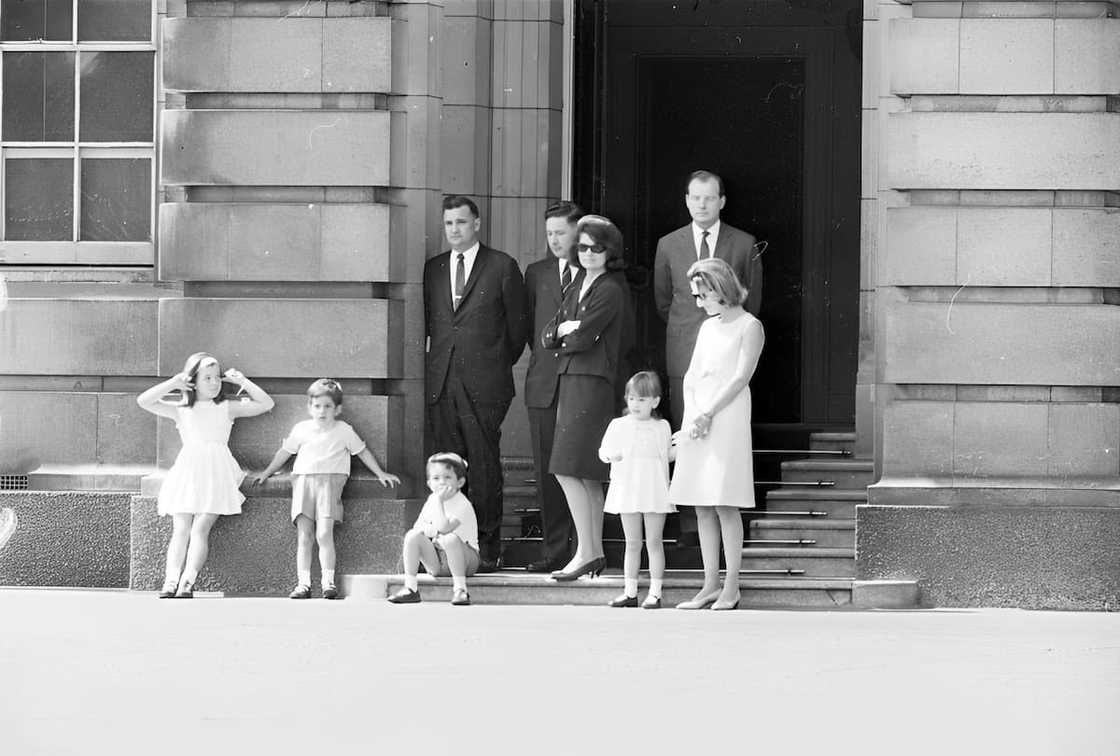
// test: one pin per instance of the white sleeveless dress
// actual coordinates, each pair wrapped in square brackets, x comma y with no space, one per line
[205,477]
[718,470]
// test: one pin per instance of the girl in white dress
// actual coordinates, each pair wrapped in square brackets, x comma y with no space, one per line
[638,448]
[714,471]
[205,479]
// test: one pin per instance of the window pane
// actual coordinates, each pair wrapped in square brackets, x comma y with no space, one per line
[39,199]
[116,199]
[114,20]
[39,96]
[117,96]
[22,20]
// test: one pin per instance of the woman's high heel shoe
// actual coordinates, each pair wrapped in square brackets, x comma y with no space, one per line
[593,568]
[724,606]
[703,602]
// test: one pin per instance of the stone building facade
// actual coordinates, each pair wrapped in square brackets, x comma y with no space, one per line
[298,155]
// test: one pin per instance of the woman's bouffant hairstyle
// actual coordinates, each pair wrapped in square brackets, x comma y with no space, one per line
[325,387]
[194,363]
[606,235]
[646,384]
[716,276]
[452,460]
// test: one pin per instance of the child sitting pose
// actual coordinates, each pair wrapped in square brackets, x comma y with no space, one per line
[445,536]
[204,481]
[638,446]
[323,446]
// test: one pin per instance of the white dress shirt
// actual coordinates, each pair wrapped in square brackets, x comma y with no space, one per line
[713,234]
[468,262]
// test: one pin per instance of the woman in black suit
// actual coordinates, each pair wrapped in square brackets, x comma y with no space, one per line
[588,334]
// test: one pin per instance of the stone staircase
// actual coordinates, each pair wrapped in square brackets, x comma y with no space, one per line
[799,549]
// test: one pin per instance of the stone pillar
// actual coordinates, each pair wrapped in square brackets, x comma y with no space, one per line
[502,132]
[994,267]
[281,152]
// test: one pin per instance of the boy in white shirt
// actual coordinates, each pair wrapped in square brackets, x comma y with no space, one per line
[322,446]
[445,536]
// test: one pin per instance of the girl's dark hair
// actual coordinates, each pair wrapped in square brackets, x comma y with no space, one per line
[452,460]
[606,235]
[645,383]
[193,365]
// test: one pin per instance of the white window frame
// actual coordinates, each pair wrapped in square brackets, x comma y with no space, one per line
[74,251]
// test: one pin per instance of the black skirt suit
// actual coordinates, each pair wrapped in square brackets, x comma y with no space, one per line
[588,364]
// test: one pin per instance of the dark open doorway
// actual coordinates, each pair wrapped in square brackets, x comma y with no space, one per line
[768,96]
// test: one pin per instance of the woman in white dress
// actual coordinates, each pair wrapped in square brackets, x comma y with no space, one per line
[714,471]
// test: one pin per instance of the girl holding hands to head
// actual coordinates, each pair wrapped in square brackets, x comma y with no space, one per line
[205,479]
[638,447]
[714,471]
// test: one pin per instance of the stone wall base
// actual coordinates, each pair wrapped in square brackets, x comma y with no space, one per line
[973,553]
[66,538]
[254,552]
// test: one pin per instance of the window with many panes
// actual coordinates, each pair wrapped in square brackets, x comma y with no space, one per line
[77,132]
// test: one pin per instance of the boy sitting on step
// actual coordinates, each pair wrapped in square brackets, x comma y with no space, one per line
[445,536]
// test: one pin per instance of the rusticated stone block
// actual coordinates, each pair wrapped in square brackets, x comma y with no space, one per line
[78,337]
[1007,56]
[342,338]
[254,552]
[275,147]
[204,241]
[934,150]
[76,539]
[918,438]
[1026,555]
[1086,247]
[239,54]
[1002,344]
[924,56]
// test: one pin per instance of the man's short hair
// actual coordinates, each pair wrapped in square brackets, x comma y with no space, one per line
[704,176]
[454,201]
[569,211]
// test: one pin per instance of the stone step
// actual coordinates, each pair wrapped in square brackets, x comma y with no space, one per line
[813,561]
[508,587]
[823,533]
[826,441]
[840,473]
[831,502]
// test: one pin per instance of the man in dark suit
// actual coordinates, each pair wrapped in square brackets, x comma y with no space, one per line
[545,282]
[706,236]
[476,324]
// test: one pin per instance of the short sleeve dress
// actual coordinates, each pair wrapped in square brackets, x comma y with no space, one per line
[205,477]
[718,470]
[640,480]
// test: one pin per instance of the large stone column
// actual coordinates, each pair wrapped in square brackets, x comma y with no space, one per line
[995,327]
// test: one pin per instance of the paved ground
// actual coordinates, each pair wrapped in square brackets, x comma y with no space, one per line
[119,673]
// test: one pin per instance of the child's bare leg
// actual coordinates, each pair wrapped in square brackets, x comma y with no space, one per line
[655,547]
[199,546]
[731,527]
[632,562]
[417,548]
[324,534]
[177,547]
[452,545]
[305,544]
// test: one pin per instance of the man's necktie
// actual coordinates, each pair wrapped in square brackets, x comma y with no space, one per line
[705,250]
[460,279]
[566,277]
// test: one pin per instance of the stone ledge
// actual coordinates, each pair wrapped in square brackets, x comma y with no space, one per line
[67,538]
[1024,555]
[254,552]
